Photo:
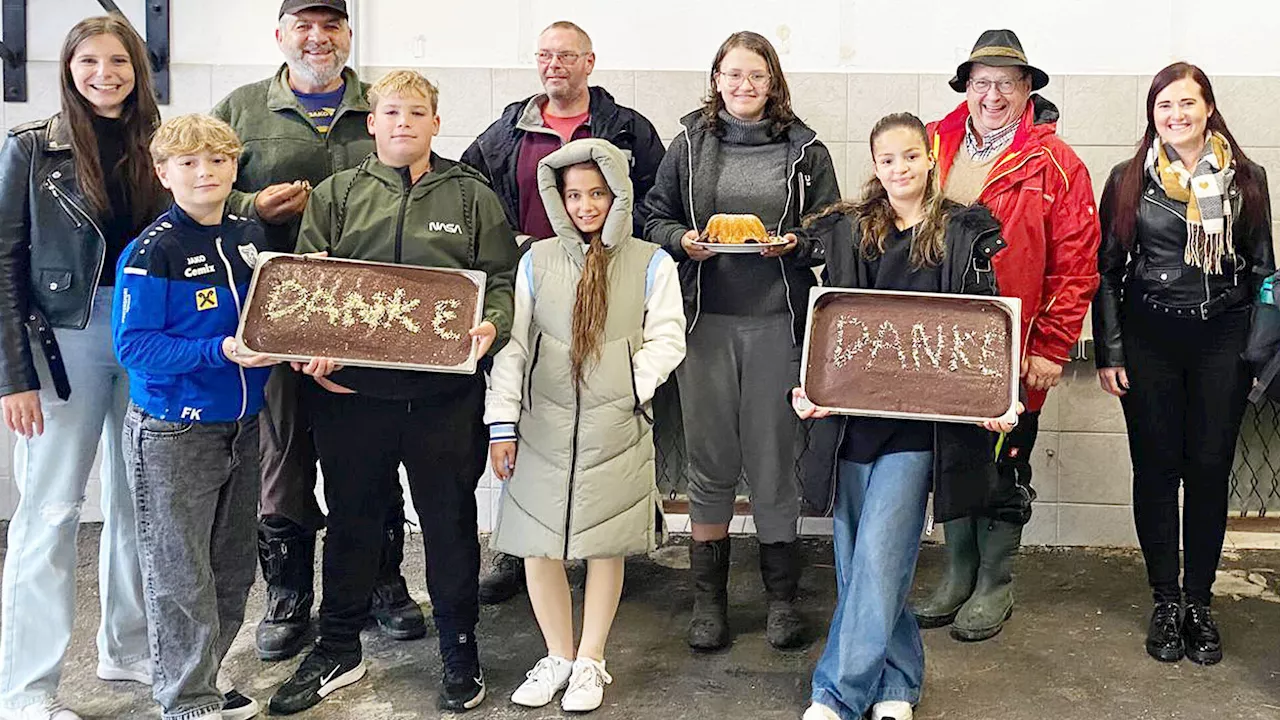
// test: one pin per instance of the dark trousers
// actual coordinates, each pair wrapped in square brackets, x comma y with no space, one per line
[1011,499]
[1187,387]
[289,460]
[443,444]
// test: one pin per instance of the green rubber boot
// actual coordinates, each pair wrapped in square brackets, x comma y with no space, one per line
[984,614]
[959,577]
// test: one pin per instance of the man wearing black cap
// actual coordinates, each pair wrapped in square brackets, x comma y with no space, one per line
[299,127]
[1000,148]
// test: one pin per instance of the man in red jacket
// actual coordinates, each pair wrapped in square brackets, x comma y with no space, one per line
[1000,148]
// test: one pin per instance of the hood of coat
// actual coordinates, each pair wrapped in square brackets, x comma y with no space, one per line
[616,170]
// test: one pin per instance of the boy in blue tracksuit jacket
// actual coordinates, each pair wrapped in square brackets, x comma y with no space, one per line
[191,431]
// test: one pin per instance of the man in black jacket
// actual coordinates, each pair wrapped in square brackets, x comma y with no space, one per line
[507,154]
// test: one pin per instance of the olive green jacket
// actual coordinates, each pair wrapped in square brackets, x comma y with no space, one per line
[448,219]
[282,144]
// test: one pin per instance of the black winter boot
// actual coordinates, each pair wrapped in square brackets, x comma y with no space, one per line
[287,553]
[397,614]
[709,626]
[780,568]
[504,581]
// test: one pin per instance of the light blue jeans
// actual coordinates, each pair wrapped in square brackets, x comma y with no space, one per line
[874,652]
[37,604]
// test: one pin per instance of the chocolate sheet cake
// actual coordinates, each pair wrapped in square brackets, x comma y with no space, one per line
[361,313]
[934,355]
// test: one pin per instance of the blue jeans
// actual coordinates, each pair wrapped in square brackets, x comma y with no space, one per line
[196,488]
[874,652]
[39,596]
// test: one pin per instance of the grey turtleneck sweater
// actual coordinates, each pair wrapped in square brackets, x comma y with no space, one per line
[752,179]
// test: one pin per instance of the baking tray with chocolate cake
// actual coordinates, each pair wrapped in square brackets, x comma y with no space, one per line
[362,313]
[912,355]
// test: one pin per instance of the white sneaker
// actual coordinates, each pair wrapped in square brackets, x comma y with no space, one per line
[818,711]
[586,686]
[548,677]
[47,710]
[891,710]
[138,671]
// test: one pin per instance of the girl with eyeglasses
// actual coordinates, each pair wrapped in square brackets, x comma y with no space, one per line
[744,151]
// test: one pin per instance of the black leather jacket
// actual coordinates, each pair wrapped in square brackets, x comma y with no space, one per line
[1155,274]
[51,250]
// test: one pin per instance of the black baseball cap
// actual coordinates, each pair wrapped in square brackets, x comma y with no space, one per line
[293,7]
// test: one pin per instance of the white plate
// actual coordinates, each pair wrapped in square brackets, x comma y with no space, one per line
[738,249]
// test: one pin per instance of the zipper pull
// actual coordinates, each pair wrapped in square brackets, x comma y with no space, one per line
[928,523]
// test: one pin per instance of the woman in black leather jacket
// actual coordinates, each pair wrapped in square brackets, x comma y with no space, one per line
[1186,240]
[74,191]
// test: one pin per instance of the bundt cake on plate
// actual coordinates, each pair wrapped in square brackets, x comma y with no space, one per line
[736,233]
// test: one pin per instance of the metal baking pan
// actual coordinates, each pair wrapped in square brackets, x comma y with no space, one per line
[477,277]
[1012,307]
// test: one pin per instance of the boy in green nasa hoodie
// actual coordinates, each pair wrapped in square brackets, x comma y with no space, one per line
[403,205]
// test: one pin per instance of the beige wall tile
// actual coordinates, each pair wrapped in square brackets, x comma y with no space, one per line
[1248,104]
[1094,468]
[1095,109]
[1084,406]
[1269,159]
[1042,529]
[936,97]
[858,168]
[43,99]
[1142,84]
[621,84]
[838,152]
[189,87]
[1096,525]
[225,78]
[1049,412]
[1044,466]
[819,99]
[1099,160]
[664,97]
[872,96]
[512,84]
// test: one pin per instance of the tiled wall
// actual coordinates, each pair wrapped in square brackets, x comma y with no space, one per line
[1082,466]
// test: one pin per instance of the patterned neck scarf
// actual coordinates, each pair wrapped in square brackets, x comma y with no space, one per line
[1204,189]
[993,143]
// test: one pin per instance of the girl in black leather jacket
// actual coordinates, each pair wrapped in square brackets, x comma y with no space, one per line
[1186,239]
[74,190]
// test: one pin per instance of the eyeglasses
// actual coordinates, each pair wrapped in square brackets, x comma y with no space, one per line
[565,58]
[1004,87]
[758,80]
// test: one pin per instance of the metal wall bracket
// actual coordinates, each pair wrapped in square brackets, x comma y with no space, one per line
[157,36]
[14,50]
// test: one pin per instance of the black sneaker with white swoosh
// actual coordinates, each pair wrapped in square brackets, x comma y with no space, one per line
[461,691]
[322,672]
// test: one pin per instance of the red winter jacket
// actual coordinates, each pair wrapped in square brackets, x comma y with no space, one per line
[1040,192]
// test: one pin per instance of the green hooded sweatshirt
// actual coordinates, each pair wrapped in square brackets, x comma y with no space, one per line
[448,219]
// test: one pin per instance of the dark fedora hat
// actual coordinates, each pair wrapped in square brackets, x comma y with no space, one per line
[998,48]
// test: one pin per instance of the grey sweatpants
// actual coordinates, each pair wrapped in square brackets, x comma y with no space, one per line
[196,490]
[735,382]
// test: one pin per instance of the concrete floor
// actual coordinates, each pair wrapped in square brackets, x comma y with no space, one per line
[1073,650]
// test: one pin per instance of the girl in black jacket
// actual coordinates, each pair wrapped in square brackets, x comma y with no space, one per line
[902,236]
[74,191]
[744,152]
[1186,239]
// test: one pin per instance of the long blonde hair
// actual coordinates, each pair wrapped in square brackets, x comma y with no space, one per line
[591,305]
[875,216]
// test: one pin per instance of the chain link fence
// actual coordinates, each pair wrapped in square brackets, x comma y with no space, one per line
[1255,475]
